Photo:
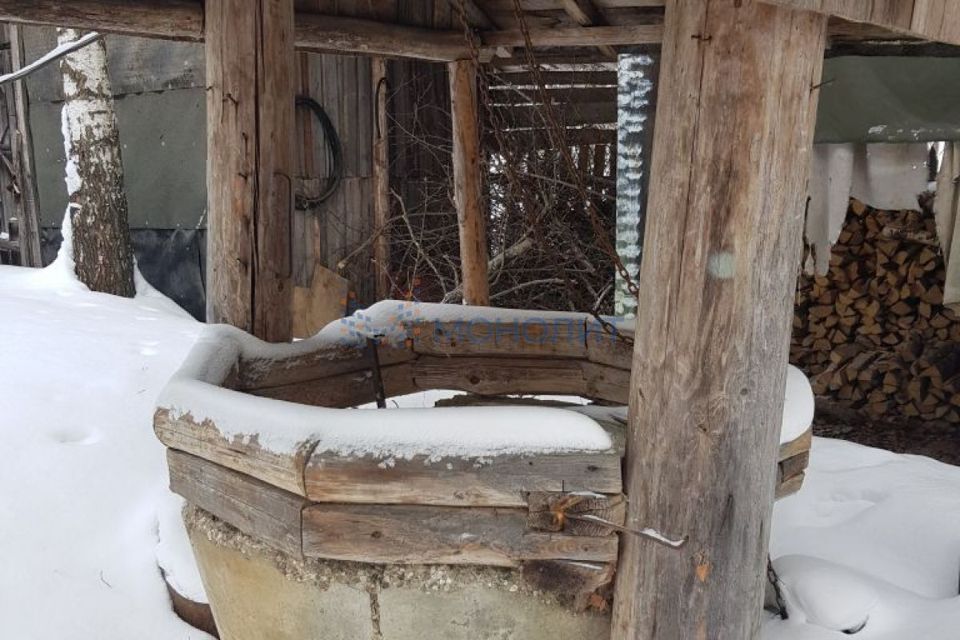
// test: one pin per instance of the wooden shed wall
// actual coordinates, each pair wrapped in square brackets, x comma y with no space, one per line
[329,232]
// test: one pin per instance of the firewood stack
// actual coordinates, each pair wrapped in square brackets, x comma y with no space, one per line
[873,333]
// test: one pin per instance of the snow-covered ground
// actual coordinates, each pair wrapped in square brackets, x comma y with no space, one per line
[872,537]
[83,477]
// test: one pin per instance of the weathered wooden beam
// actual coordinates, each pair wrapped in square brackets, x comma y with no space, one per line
[184,20]
[251,90]
[474,15]
[468,182]
[724,234]
[243,453]
[256,508]
[24,159]
[936,20]
[171,19]
[577,36]
[500,481]
[586,14]
[381,179]
[405,534]
[341,35]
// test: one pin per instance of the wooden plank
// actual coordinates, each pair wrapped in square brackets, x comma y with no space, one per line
[935,20]
[586,14]
[238,452]
[345,390]
[577,36]
[257,509]
[440,535]
[494,376]
[606,383]
[381,179]
[475,16]
[322,362]
[497,482]
[790,486]
[724,233]
[527,336]
[170,19]
[323,301]
[251,161]
[797,446]
[468,182]
[367,37]
[23,158]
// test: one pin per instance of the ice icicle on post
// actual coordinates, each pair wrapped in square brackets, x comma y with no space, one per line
[635,109]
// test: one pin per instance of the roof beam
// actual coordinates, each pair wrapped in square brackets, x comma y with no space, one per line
[184,20]
[170,19]
[354,35]
[473,14]
[586,14]
[578,36]
[935,20]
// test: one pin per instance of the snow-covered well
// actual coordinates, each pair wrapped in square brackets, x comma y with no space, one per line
[265,440]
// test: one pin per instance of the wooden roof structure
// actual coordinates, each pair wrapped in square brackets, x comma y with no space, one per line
[373,28]
[739,86]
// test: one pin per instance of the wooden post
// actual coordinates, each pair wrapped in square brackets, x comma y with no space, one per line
[23,159]
[735,122]
[468,182]
[250,164]
[381,178]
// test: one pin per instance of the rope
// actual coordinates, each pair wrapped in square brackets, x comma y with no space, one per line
[336,154]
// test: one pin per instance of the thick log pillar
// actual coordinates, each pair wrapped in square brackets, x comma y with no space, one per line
[468,182]
[250,164]
[735,122]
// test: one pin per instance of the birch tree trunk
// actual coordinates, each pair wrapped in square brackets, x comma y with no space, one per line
[97,209]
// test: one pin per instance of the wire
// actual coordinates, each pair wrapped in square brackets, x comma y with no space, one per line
[52,56]
[336,155]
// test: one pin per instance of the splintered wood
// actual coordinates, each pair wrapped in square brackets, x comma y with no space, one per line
[873,333]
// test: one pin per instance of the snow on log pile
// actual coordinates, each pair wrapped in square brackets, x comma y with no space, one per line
[873,334]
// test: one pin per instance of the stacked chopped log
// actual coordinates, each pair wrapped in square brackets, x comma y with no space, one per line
[873,333]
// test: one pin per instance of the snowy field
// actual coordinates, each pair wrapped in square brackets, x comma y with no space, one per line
[872,542]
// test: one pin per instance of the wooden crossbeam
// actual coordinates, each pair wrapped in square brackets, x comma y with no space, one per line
[474,15]
[578,36]
[355,35]
[170,19]
[586,14]
[936,20]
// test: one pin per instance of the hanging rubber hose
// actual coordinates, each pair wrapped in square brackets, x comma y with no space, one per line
[336,154]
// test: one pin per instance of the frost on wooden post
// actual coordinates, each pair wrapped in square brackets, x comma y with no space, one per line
[97,206]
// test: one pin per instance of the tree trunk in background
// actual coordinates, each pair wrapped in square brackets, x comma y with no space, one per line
[97,209]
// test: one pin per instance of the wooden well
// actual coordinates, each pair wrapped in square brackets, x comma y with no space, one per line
[513,510]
